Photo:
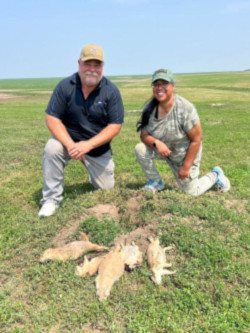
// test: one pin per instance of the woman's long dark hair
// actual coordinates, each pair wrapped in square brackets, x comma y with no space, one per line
[147,110]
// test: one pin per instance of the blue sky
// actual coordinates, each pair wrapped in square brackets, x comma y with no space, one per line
[43,38]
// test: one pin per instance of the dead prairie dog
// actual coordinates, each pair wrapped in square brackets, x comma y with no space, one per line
[110,271]
[71,251]
[132,259]
[157,261]
[89,266]
[132,256]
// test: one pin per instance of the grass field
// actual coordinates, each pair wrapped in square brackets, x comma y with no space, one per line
[210,234]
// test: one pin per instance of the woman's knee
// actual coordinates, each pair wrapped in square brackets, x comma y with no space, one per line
[190,187]
[192,192]
[140,149]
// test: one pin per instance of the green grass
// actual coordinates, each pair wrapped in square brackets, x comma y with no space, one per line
[210,234]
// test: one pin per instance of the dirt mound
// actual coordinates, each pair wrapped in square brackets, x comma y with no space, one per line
[101,210]
[139,235]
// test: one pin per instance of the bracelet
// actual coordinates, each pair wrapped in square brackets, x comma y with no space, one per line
[155,143]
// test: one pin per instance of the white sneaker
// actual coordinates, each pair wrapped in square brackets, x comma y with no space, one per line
[47,209]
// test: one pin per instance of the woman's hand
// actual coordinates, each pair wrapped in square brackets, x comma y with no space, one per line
[183,172]
[160,146]
[162,149]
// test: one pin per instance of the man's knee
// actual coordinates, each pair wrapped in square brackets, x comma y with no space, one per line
[53,148]
[107,186]
[106,182]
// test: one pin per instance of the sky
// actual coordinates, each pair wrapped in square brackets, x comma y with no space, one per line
[43,38]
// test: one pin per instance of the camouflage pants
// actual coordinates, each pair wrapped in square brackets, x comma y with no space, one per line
[193,185]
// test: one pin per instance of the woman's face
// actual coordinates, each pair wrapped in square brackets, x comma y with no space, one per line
[163,91]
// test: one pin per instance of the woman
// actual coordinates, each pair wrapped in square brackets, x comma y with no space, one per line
[171,131]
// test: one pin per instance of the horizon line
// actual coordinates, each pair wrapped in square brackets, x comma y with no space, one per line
[124,75]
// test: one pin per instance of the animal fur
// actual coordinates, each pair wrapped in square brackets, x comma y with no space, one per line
[156,257]
[113,265]
[110,271]
[132,259]
[72,250]
[89,266]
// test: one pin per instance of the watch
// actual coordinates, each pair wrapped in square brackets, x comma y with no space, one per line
[154,144]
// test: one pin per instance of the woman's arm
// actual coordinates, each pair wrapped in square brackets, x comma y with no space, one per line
[161,147]
[195,136]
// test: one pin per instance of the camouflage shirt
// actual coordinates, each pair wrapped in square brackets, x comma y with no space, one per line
[172,129]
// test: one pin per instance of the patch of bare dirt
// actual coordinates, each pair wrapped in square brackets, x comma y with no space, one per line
[139,236]
[216,104]
[6,96]
[87,329]
[54,329]
[61,238]
[101,210]
[133,207]
[238,205]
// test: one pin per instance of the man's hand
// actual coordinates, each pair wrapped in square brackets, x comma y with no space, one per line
[78,150]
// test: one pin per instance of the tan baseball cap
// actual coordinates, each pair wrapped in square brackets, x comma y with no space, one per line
[91,52]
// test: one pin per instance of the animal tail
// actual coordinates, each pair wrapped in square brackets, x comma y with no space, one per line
[150,239]
[84,236]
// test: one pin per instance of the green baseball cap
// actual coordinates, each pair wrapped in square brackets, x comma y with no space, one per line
[163,74]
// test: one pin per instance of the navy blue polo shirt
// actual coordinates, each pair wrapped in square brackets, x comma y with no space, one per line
[84,118]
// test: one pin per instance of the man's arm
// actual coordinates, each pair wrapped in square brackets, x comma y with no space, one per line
[59,131]
[195,136]
[83,147]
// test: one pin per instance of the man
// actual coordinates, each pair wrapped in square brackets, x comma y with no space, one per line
[84,114]
[171,131]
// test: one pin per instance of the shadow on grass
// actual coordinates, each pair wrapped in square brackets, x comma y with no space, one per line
[139,186]
[72,192]
[132,186]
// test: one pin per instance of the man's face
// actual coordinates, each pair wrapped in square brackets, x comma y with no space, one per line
[90,72]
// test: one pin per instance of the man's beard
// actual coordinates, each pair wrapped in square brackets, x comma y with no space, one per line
[92,79]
